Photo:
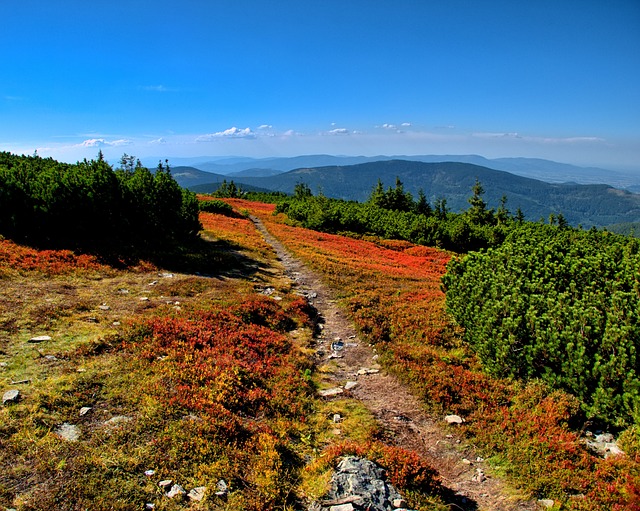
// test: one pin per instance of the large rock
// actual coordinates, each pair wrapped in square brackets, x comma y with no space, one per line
[359,484]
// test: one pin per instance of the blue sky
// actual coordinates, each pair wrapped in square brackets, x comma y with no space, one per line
[550,79]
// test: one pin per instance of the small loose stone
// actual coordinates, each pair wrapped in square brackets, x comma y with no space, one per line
[40,338]
[350,384]
[176,491]
[197,494]
[11,396]
[331,392]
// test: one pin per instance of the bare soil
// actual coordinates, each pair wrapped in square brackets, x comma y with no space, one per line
[401,416]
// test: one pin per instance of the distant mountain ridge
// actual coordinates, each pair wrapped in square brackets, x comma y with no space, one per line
[588,205]
[544,170]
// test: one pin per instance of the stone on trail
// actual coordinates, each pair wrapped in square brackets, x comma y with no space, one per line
[350,385]
[453,419]
[331,392]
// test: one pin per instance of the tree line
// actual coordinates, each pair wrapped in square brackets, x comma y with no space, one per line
[88,203]
[394,213]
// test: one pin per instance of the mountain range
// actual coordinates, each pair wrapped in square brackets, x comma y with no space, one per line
[583,204]
[544,170]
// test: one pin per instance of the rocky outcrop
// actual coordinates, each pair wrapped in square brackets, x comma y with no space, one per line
[359,484]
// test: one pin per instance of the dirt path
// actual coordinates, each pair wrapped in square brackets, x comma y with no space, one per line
[471,482]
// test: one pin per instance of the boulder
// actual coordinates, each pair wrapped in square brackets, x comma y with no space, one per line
[357,484]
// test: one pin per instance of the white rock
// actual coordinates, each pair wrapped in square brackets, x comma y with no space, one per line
[149,473]
[40,338]
[104,307]
[546,503]
[350,384]
[222,488]
[197,494]
[84,410]
[453,419]
[176,491]
[165,483]
[11,396]
[69,432]
[363,371]
[342,507]
[399,503]
[331,392]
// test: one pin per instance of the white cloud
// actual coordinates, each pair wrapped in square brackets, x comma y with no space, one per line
[388,126]
[228,133]
[94,142]
[405,124]
[156,88]
[265,127]
[101,142]
[338,131]
[496,135]
[159,141]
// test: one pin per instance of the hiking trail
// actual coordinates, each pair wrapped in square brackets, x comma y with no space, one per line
[472,484]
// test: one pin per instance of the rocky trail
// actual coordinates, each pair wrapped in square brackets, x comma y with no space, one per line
[470,482]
